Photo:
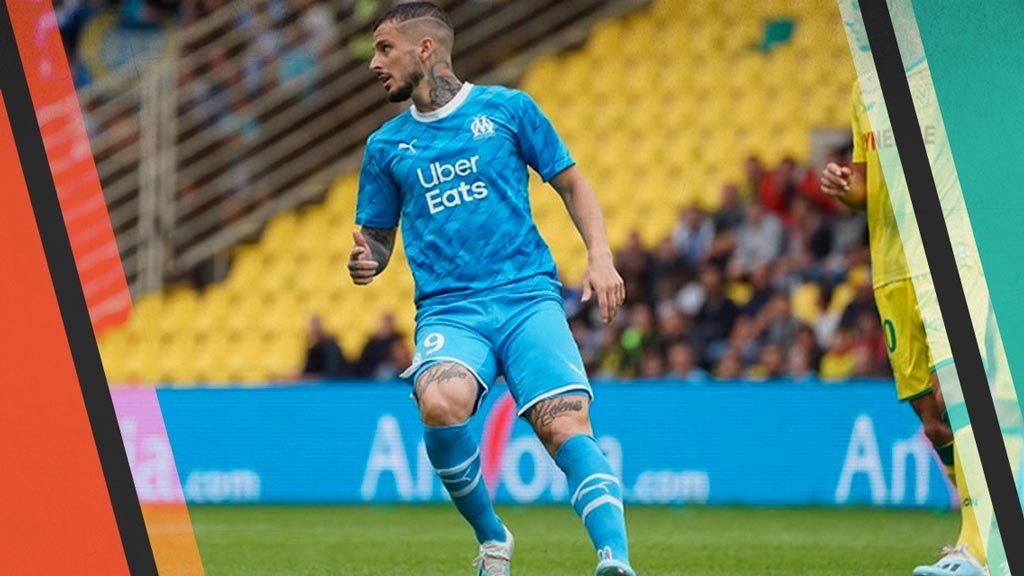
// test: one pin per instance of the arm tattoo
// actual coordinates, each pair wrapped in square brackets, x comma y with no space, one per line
[443,84]
[439,372]
[381,242]
[543,414]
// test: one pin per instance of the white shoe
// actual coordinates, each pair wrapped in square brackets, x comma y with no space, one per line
[495,558]
[613,568]
[955,561]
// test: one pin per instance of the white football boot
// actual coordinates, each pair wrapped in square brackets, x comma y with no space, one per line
[955,561]
[495,558]
[613,568]
[608,566]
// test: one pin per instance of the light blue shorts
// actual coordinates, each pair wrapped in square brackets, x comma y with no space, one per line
[522,336]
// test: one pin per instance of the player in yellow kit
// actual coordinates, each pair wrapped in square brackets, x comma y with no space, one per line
[863,187]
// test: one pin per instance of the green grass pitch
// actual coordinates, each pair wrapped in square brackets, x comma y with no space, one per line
[550,541]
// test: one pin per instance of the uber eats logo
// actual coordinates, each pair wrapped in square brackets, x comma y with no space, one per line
[442,191]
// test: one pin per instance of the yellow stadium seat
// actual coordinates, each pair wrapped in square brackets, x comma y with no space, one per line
[212,307]
[605,39]
[178,310]
[341,198]
[284,358]
[113,348]
[541,75]
[246,267]
[146,311]
[243,315]
[277,237]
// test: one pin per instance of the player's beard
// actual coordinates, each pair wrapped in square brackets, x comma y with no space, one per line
[404,92]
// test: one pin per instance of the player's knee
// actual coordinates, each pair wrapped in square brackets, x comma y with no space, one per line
[445,409]
[447,395]
[937,432]
[553,438]
[936,429]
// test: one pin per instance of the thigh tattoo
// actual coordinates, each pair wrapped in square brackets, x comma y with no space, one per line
[546,412]
[441,372]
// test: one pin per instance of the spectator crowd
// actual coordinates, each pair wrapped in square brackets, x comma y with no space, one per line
[101,35]
[247,72]
[773,283]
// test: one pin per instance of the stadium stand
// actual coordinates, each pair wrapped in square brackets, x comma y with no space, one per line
[661,108]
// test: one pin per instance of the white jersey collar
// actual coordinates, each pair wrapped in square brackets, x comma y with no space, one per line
[447,109]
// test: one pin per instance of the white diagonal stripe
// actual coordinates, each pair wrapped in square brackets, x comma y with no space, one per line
[600,502]
[601,486]
[468,489]
[460,467]
[579,490]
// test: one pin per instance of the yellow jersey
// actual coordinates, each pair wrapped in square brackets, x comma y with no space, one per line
[889,217]
[888,261]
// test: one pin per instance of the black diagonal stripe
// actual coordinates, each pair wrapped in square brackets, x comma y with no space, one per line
[948,289]
[71,301]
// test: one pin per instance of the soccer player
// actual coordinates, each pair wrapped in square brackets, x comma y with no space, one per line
[863,187]
[453,169]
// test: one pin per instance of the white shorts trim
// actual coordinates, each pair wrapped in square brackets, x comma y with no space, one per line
[556,392]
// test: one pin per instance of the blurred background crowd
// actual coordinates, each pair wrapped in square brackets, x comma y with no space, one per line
[774,284]
[103,35]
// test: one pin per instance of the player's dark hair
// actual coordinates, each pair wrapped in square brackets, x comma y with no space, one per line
[412,11]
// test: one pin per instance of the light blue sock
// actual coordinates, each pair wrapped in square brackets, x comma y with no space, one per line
[456,456]
[596,495]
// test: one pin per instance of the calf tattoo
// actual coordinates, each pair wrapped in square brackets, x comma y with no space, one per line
[543,414]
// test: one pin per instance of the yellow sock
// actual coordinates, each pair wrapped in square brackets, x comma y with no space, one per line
[970,536]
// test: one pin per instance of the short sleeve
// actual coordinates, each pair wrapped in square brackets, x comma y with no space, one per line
[379,201]
[539,144]
[859,154]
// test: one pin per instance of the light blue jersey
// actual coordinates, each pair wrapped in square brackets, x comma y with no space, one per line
[487,291]
[457,179]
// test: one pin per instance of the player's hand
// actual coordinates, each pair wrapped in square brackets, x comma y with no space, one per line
[361,265]
[602,280]
[835,180]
